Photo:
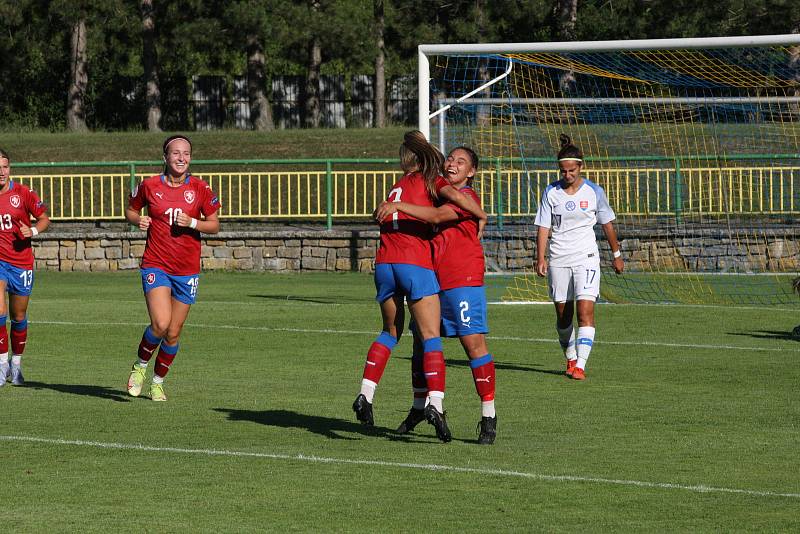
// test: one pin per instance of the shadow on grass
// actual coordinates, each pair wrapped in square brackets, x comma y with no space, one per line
[324,426]
[327,426]
[100,392]
[768,334]
[334,299]
[501,366]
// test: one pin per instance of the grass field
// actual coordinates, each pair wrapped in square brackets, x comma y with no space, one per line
[688,420]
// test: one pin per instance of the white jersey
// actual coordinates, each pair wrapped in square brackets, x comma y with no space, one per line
[571,219]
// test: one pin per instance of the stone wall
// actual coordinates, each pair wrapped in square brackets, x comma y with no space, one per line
[354,250]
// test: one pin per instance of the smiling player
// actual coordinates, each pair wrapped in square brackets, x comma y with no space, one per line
[179,208]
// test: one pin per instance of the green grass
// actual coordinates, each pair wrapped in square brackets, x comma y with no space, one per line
[697,397]
[225,144]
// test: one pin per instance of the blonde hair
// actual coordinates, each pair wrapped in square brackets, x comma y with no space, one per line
[417,154]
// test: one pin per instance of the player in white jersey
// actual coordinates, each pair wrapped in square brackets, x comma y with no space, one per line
[568,211]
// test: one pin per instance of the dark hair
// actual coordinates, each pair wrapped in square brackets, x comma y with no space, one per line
[417,153]
[165,146]
[472,155]
[568,150]
[4,154]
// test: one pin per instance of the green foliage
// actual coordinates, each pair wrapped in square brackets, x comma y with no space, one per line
[202,37]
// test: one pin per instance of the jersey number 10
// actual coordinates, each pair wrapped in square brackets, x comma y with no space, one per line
[172,214]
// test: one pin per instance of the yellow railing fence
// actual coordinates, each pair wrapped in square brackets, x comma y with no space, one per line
[353,193]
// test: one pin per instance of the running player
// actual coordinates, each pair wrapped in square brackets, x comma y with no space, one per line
[404,270]
[17,205]
[459,265]
[567,213]
[179,208]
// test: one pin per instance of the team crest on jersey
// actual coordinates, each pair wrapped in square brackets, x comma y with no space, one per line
[584,205]
[15,202]
[151,278]
[570,205]
[188,196]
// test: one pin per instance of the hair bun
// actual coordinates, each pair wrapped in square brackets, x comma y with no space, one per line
[565,140]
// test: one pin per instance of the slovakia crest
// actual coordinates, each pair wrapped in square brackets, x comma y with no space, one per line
[15,201]
[188,196]
[151,278]
[570,205]
[584,205]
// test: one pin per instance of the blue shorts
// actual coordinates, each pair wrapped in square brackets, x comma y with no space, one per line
[413,281]
[184,288]
[464,311]
[18,281]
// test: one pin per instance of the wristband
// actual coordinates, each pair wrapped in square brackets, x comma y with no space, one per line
[617,254]
[193,224]
[34,231]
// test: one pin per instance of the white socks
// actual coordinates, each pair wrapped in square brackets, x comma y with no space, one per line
[584,344]
[368,389]
[566,337]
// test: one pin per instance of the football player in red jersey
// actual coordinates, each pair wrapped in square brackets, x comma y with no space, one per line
[404,270]
[179,208]
[17,205]
[459,265]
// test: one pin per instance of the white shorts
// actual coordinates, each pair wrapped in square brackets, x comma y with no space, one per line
[574,283]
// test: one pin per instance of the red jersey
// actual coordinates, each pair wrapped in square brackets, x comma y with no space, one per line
[405,239]
[16,206]
[457,252]
[172,248]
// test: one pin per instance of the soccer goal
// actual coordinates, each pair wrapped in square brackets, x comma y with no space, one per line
[696,142]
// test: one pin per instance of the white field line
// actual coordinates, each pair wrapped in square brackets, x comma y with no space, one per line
[371,302]
[372,332]
[400,465]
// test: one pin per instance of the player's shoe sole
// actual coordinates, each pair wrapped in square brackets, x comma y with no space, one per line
[571,367]
[363,410]
[488,426]
[578,374]
[415,416]
[439,422]
[157,392]
[136,380]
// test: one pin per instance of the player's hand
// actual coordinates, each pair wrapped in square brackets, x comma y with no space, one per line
[25,231]
[144,222]
[481,227]
[183,220]
[384,210]
[541,267]
[618,265]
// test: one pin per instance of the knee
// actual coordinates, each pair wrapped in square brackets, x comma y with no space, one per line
[159,329]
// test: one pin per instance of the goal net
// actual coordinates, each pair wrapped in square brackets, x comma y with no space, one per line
[695,141]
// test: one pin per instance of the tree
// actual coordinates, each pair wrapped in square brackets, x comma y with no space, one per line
[150,64]
[78,77]
[380,65]
[312,76]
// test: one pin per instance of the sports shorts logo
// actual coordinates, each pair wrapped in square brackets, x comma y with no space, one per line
[151,278]
[188,196]
[15,201]
[584,205]
[570,205]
